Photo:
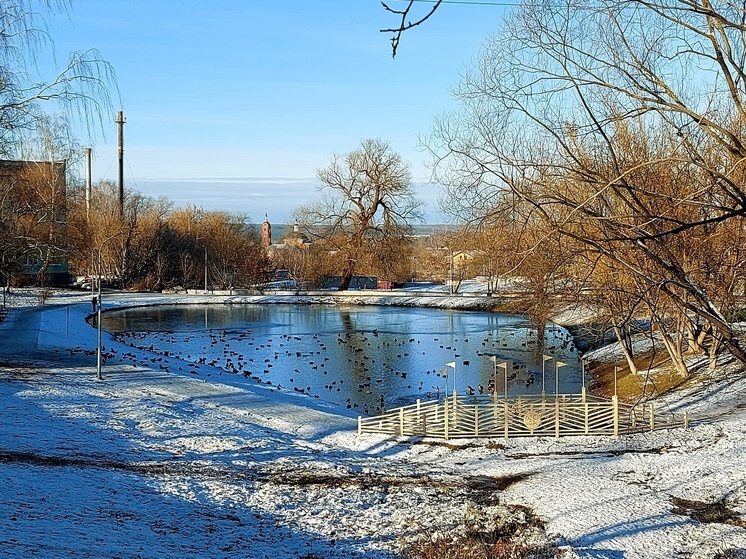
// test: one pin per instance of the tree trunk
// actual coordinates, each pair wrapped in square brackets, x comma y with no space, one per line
[676,358]
[713,351]
[626,346]
[345,279]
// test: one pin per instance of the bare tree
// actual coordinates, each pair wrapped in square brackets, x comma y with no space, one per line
[368,206]
[235,256]
[587,116]
[156,247]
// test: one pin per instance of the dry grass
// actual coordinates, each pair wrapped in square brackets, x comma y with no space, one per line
[502,532]
[731,554]
[631,387]
[491,444]
[704,512]
[471,548]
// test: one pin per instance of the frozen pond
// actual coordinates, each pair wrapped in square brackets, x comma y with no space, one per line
[359,357]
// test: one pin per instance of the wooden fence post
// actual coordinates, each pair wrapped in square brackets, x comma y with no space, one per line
[506,419]
[445,419]
[476,420]
[585,412]
[615,412]
[419,415]
[455,412]
[556,418]
[401,422]
[652,416]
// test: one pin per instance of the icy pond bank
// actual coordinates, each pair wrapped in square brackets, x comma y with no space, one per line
[160,463]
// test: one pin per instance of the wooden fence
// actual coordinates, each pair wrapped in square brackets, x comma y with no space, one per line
[523,416]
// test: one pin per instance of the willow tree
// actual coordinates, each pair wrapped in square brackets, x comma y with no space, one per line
[620,124]
[366,210]
[35,110]
[78,89]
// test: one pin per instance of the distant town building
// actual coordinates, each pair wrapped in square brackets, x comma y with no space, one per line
[266,232]
[464,258]
[296,238]
[33,200]
[356,283]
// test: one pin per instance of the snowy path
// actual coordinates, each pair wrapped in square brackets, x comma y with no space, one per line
[161,463]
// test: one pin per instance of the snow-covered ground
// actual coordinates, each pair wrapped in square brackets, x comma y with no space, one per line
[156,462]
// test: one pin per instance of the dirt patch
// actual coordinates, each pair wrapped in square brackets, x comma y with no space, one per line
[701,511]
[494,483]
[490,444]
[593,454]
[296,478]
[631,388]
[483,489]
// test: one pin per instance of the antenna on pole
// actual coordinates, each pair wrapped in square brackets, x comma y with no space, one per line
[120,127]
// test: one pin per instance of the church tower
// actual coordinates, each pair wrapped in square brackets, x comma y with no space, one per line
[266,232]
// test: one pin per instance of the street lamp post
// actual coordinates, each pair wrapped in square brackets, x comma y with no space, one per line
[98,305]
[452,365]
[444,372]
[544,360]
[98,322]
[489,277]
[450,275]
[557,365]
[615,378]
[493,358]
[504,365]
[205,247]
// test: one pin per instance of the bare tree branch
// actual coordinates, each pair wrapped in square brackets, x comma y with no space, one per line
[404,25]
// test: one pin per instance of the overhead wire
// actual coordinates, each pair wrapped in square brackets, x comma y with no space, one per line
[466,2]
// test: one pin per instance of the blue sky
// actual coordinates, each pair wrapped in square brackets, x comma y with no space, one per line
[219,95]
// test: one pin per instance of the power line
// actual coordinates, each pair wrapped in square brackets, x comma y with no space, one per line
[466,2]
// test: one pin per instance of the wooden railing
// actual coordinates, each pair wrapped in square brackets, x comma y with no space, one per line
[524,416]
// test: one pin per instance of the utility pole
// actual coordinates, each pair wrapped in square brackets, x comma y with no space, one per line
[120,126]
[88,185]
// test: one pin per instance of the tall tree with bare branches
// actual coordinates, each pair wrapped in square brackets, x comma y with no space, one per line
[368,205]
[620,125]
